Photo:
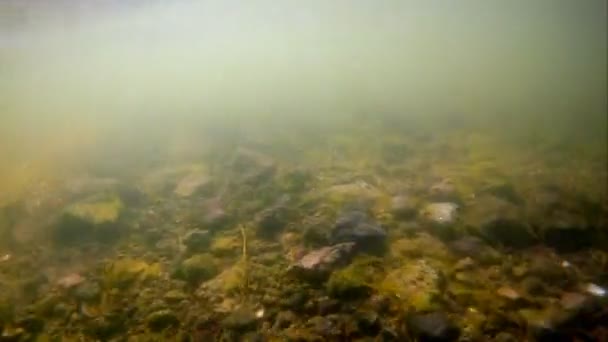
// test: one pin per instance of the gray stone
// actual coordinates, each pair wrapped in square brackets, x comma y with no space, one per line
[356,226]
[499,222]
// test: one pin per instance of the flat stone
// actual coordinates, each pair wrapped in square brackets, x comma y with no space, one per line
[320,262]
[441,213]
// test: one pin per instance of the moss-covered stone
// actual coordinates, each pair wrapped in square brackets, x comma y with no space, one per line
[175,296]
[499,222]
[197,268]
[161,319]
[356,280]
[416,283]
[228,282]
[124,272]
[241,319]
[87,291]
[230,245]
[92,219]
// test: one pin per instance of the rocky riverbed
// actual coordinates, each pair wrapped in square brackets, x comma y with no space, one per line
[378,238]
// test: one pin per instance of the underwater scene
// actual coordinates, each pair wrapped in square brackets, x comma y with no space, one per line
[303,171]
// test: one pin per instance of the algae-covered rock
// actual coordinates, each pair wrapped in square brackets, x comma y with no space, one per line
[416,283]
[87,291]
[95,218]
[230,245]
[175,296]
[227,282]
[422,245]
[97,209]
[123,273]
[499,222]
[566,231]
[273,220]
[161,319]
[197,268]
[355,280]
[197,240]
[241,319]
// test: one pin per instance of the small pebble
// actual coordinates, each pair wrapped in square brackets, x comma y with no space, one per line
[508,293]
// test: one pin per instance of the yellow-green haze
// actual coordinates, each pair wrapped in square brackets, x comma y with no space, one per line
[73,73]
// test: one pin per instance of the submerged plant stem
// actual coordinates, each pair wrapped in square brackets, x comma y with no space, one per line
[244,261]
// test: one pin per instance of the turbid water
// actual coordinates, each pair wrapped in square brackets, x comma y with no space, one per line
[323,171]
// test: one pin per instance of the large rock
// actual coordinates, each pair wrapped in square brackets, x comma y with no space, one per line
[565,221]
[566,231]
[356,226]
[355,280]
[272,220]
[197,241]
[418,284]
[199,267]
[92,219]
[191,184]
[441,218]
[499,222]
[318,264]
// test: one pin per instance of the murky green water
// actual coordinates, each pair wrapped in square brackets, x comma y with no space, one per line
[317,171]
